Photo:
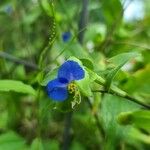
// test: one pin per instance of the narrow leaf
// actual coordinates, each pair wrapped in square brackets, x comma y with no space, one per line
[16,86]
[11,140]
[123,58]
[119,61]
[140,119]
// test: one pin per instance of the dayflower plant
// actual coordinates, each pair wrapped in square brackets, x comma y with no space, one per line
[68,72]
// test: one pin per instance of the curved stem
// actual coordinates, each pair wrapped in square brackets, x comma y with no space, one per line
[66,135]
[98,123]
[18,60]
[83,20]
[128,97]
[68,123]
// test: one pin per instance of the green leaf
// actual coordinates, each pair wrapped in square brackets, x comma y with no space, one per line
[11,141]
[37,144]
[111,107]
[139,84]
[111,76]
[119,60]
[139,135]
[123,58]
[51,144]
[75,49]
[77,146]
[87,63]
[49,76]
[16,86]
[108,10]
[95,33]
[95,77]
[140,119]
[84,85]
[76,59]
[85,130]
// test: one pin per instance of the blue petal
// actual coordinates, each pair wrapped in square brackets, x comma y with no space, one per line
[57,90]
[66,36]
[71,70]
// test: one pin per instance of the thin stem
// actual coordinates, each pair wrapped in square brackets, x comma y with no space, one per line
[38,113]
[83,20]
[18,60]
[66,135]
[68,123]
[132,44]
[128,97]
[100,129]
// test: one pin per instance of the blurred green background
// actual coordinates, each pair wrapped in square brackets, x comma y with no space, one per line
[32,38]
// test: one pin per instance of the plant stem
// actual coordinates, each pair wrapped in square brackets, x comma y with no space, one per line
[128,97]
[145,47]
[68,123]
[66,135]
[18,60]
[83,20]
[99,126]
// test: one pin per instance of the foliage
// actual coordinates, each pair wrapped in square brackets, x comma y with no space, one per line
[108,108]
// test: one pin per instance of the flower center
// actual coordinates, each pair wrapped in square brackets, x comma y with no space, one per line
[72,88]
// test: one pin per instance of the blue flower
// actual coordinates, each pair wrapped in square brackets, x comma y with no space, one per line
[66,36]
[8,9]
[69,71]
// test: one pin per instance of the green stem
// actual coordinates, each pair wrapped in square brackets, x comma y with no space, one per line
[18,60]
[98,123]
[38,113]
[123,95]
[114,90]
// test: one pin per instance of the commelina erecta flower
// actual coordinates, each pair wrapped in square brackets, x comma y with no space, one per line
[66,36]
[68,72]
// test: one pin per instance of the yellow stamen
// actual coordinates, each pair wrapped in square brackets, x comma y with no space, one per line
[72,88]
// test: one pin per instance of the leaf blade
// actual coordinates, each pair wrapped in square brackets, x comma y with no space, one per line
[16,86]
